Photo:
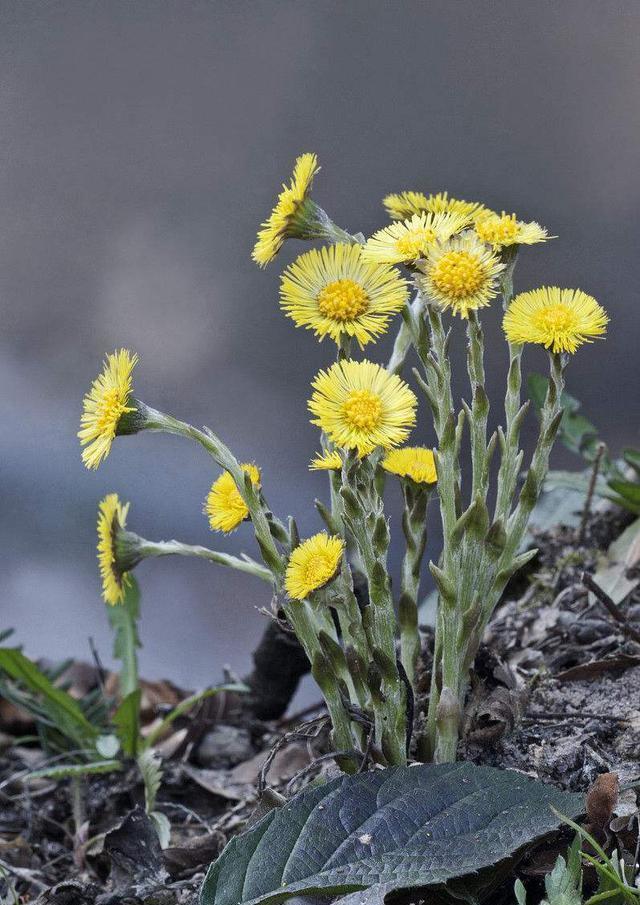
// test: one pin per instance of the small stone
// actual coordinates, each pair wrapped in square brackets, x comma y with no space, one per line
[224,746]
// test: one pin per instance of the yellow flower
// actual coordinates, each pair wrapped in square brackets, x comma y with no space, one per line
[112,517]
[313,564]
[411,239]
[558,319]
[403,205]
[104,405]
[278,226]
[224,504]
[415,462]
[504,229]
[360,405]
[461,274]
[326,461]
[332,291]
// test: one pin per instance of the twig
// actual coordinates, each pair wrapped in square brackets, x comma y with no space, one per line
[612,608]
[590,491]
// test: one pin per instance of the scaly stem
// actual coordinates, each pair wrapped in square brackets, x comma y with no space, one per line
[407,335]
[414,526]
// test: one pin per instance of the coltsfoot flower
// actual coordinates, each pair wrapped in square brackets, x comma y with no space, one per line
[403,205]
[312,564]
[360,405]
[461,275]
[224,505]
[412,239]
[559,319]
[503,229]
[326,461]
[333,292]
[104,405]
[112,518]
[415,462]
[281,223]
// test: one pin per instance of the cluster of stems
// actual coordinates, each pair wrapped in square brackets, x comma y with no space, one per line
[362,641]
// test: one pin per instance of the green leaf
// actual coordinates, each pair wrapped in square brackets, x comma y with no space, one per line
[58,706]
[150,767]
[628,490]
[63,771]
[576,432]
[126,719]
[562,886]
[185,706]
[632,458]
[124,622]
[402,827]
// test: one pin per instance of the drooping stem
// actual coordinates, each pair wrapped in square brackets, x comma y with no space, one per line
[177,548]
[222,455]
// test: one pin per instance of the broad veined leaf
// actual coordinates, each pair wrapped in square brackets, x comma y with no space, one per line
[400,828]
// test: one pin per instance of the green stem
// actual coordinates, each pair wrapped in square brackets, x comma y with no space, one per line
[414,526]
[222,455]
[177,548]
[407,335]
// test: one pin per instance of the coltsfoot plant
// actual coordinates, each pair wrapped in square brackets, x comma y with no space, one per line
[458,259]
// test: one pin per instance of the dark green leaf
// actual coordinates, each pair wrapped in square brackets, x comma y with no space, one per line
[628,490]
[124,622]
[58,706]
[632,458]
[403,827]
[126,719]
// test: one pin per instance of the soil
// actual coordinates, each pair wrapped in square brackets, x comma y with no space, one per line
[555,693]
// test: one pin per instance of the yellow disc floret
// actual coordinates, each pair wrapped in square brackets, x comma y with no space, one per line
[112,517]
[403,205]
[415,462]
[559,319]
[224,505]
[104,405]
[335,293]
[503,229]
[326,461]
[313,564]
[278,226]
[360,405]
[461,275]
[412,239]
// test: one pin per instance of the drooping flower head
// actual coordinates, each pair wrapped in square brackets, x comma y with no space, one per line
[404,205]
[326,461]
[411,239]
[503,229]
[112,518]
[415,462]
[559,319]
[360,405]
[281,223]
[312,564]
[461,274]
[104,405]
[333,291]
[224,505]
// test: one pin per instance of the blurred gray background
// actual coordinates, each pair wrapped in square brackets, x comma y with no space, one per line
[143,142]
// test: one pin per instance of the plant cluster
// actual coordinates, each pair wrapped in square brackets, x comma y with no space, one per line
[458,258]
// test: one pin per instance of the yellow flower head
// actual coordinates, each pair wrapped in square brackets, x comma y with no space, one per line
[312,564]
[461,274]
[558,319]
[415,462]
[333,291]
[411,239]
[224,505]
[406,204]
[503,229]
[360,405]
[103,406]
[326,461]
[278,226]
[112,517]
